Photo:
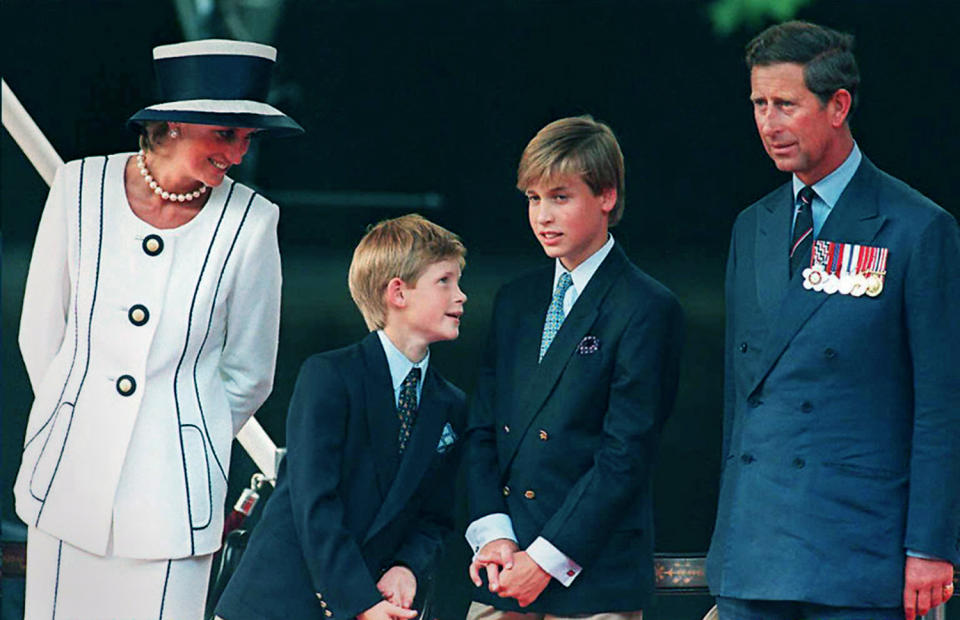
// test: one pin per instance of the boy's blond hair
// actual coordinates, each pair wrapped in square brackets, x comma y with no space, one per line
[580,146]
[403,247]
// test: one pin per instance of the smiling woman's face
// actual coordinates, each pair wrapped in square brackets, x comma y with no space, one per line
[206,152]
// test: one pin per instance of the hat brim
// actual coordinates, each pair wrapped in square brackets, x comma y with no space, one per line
[276,124]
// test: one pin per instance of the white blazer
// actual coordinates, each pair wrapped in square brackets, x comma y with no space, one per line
[147,350]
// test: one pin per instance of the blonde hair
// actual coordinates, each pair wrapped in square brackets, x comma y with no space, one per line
[580,146]
[403,247]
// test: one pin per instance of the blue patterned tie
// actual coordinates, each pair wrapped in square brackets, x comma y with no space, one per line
[407,406]
[554,313]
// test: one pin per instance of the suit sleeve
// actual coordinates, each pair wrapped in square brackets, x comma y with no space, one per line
[434,522]
[642,391]
[483,472]
[316,429]
[47,293]
[932,307]
[253,320]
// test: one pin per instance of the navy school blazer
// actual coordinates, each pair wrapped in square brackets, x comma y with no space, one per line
[346,506]
[567,447]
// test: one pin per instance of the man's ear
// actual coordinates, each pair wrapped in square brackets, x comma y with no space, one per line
[396,293]
[840,104]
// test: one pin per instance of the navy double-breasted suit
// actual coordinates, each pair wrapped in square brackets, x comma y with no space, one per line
[841,437]
[347,506]
[566,447]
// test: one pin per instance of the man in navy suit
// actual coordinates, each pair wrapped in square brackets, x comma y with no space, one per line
[363,498]
[840,492]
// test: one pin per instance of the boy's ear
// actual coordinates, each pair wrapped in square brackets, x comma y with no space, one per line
[396,293]
[608,199]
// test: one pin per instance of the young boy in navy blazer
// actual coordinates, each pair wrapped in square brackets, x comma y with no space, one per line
[362,502]
[580,373]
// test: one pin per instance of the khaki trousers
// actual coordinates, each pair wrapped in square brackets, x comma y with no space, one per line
[481,611]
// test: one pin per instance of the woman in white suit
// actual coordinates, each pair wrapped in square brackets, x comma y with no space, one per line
[149,333]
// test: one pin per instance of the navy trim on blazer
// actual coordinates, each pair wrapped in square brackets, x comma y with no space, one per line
[163,595]
[86,369]
[176,374]
[206,334]
[76,324]
[56,582]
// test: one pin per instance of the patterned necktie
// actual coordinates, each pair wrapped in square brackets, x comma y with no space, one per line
[407,406]
[802,243]
[554,313]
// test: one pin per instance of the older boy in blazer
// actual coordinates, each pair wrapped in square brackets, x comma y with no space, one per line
[580,373]
[362,500]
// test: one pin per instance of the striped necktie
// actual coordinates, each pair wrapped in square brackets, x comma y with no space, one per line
[802,243]
[555,314]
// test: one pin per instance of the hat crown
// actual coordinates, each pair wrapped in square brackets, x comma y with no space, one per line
[214,69]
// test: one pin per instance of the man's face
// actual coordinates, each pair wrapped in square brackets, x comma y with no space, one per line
[800,134]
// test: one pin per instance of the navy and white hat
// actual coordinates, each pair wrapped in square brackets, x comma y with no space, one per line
[216,82]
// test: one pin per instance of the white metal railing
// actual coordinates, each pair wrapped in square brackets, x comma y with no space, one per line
[45,159]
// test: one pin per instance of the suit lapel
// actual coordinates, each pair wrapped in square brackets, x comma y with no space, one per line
[382,421]
[774,219]
[421,450]
[854,219]
[542,379]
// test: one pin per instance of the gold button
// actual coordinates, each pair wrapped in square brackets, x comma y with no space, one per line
[323,603]
[506,429]
[138,315]
[153,245]
[327,613]
[529,494]
[543,435]
[506,491]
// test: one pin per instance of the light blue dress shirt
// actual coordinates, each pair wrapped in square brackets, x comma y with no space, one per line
[828,189]
[400,366]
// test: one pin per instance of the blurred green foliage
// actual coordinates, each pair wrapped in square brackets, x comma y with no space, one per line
[729,15]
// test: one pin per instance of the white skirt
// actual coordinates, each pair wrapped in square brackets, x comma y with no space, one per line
[66,583]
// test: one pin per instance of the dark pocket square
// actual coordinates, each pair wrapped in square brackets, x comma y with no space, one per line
[589,345]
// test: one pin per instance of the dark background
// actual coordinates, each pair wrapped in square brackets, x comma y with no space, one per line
[431,104]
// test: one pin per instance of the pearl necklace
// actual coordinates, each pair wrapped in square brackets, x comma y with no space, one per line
[145,173]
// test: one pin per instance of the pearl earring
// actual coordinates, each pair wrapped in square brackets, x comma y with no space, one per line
[174,133]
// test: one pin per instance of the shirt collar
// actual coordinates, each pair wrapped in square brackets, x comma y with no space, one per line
[584,271]
[830,187]
[398,363]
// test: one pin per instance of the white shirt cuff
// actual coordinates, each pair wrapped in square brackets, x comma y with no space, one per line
[552,560]
[922,556]
[490,527]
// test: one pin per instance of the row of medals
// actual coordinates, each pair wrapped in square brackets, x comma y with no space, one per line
[855,284]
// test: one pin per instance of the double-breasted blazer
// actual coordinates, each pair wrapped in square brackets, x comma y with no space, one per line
[566,447]
[841,413]
[347,506]
[147,350]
